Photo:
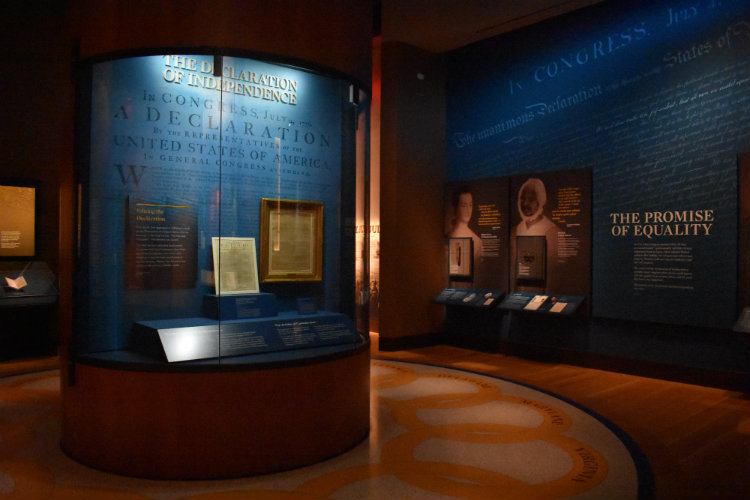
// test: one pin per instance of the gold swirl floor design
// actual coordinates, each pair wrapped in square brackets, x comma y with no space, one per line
[436,433]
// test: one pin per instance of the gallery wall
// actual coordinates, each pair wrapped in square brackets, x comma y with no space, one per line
[411,194]
[654,98]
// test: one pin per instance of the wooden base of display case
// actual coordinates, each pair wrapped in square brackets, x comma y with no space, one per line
[203,420]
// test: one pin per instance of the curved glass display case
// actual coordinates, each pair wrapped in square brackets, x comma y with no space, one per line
[217,268]
[218,199]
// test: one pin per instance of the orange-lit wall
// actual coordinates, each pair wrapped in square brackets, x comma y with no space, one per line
[334,34]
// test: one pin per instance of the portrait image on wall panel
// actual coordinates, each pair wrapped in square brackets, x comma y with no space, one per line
[555,206]
[477,209]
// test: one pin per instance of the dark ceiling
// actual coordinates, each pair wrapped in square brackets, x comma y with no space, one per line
[442,25]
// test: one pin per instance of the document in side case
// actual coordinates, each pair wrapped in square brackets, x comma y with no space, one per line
[16,284]
[536,302]
[558,307]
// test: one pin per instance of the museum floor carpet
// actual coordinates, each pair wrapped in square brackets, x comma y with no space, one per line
[436,433]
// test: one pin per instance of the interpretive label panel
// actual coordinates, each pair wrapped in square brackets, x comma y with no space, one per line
[161,246]
[224,307]
[186,339]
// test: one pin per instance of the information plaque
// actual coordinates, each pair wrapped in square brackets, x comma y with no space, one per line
[185,339]
[469,297]
[542,303]
[161,246]
[252,305]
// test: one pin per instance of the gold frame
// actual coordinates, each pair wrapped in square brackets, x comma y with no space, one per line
[304,261]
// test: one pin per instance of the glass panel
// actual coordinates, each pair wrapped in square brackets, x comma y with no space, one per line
[363,228]
[151,195]
[281,139]
[212,199]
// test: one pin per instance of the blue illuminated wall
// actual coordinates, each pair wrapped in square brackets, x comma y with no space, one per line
[167,131]
[654,97]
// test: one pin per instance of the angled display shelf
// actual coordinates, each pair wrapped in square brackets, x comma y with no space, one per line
[555,304]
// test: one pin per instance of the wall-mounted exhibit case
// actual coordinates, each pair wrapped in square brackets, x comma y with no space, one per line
[28,287]
[217,208]
[28,309]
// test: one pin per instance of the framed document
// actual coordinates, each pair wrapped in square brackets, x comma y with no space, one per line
[460,258]
[235,266]
[291,240]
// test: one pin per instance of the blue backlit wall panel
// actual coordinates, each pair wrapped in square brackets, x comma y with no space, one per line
[655,98]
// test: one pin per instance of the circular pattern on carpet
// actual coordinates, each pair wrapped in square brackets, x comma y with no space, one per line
[436,433]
